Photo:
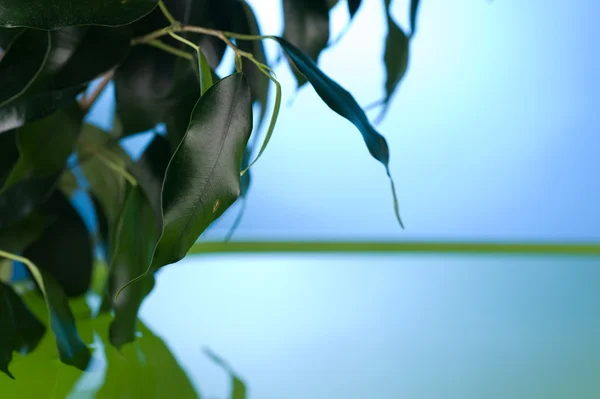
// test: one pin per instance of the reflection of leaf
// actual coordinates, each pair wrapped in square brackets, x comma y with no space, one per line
[20,330]
[238,388]
[342,102]
[203,177]
[414,9]
[306,27]
[58,13]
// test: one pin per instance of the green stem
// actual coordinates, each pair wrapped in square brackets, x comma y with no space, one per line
[171,49]
[464,248]
[166,13]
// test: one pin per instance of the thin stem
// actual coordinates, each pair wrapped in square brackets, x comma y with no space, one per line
[464,248]
[183,40]
[171,49]
[118,169]
[166,13]
[87,102]
[240,36]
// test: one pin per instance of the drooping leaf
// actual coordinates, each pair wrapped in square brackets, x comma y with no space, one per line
[21,199]
[244,22]
[20,330]
[64,250]
[52,14]
[71,349]
[73,62]
[353,6]
[238,388]
[395,59]
[414,10]
[136,237]
[306,27]
[342,103]
[22,63]
[203,177]
[45,145]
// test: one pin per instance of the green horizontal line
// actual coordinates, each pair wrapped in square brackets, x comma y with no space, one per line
[395,247]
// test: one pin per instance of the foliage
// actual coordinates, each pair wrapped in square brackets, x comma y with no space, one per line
[57,57]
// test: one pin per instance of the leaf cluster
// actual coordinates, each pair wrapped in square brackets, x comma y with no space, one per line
[57,57]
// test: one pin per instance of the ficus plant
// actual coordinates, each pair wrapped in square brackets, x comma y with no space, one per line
[57,57]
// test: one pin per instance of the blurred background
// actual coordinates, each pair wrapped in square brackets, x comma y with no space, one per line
[494,138]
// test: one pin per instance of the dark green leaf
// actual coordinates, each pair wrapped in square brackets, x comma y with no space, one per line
[353,6]
[136,237]
[52,14]
[7,35]
[395,59]
[203,177]
[245,23]
[73,62]
[22,62]
[306,27]
[341,102]
[9,154]
[18,237]
[45,145]
[64,249]
[414,10]
[238,388]
[150,173]
[20,330]
[21,199]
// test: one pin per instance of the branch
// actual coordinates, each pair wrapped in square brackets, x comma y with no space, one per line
[86,102]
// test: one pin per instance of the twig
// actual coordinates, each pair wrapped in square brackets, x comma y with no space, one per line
[86,103]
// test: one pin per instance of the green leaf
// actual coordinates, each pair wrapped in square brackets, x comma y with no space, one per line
[18,237]
[353,6]
[395,59]
[238,388]
[244,22]
[71,348]
[22,62]
[7,35]
[306,27]
[203,177]
[20,330]
[73,62]
[52,14]
[21,199]
[64,250]
[45,145]
[136,238]
[342,103]
[414,10]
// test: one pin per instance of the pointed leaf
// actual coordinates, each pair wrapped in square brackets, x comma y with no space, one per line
[414,10]
[136,238]
[64,250]
[203,177]
[342,102]
[22,62]
[395,59]
[306,27]
[353,6]
[20,330]
[238,388]
[52,14]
